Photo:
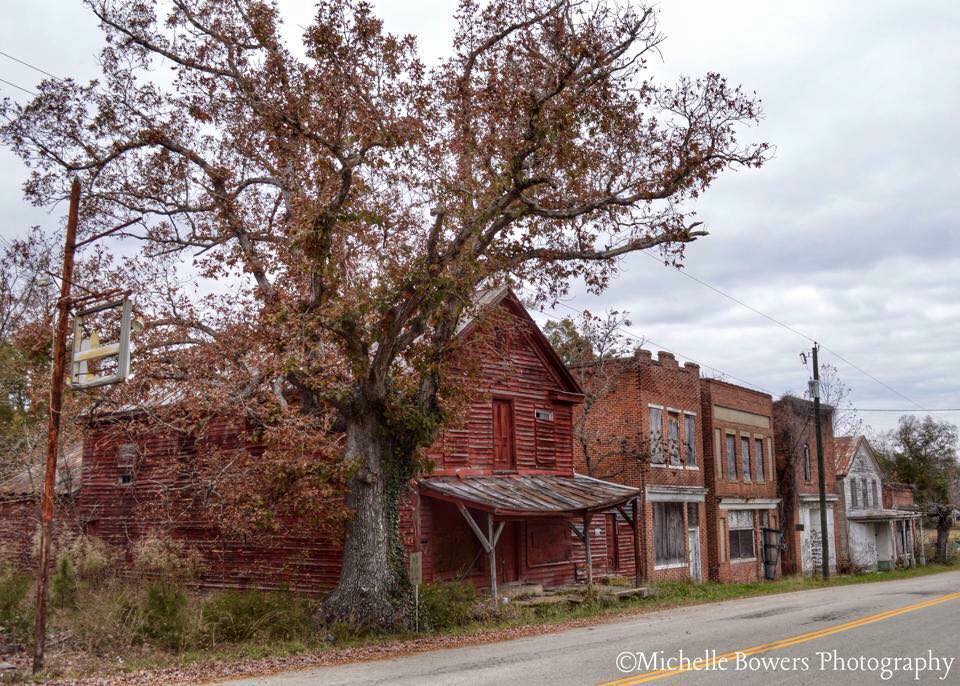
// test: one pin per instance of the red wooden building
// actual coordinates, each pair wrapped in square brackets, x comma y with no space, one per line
[503,503]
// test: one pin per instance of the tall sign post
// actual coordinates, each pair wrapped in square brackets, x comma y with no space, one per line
[53,426]
[821,479]
[88,369]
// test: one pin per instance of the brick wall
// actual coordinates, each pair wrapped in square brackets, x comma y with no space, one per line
[741,413]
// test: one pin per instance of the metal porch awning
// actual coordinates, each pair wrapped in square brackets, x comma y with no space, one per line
[529,495]
[880,515]
[509,496]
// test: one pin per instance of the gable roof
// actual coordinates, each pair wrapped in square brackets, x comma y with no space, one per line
[846,449]
[505,297]
[29,482]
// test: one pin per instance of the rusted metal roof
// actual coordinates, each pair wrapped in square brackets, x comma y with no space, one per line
[29,482]
[530,494]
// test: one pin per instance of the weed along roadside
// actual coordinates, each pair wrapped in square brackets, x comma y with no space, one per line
[105,627]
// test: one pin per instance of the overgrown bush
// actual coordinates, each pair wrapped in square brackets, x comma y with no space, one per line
[233,616]
[164,619]
[447,605]
[91,558]
[160,556]
[106,618]
[63,586]
[15,614]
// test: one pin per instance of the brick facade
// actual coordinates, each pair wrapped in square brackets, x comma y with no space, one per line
[738,432]
[797,477]
[661,456]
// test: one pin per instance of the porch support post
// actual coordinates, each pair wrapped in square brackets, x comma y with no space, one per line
[923,552]
[492,557]
[635,510]
[586,548]
[488,542]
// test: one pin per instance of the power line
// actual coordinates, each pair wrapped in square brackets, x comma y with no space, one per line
[27,64]
[789,328]
[25,90]
[894,409]
[645,339]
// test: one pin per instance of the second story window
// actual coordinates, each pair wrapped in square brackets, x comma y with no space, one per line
[745,457]
[673,435]
[656,435]
[866,495]
[690,433]
[731,457]
[876,498]
[806,463]
[758,457]
[854,496]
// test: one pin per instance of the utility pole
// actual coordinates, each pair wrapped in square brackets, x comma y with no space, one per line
[821,479]
[53,427]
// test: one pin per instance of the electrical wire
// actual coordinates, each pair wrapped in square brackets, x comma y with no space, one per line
[25,90]
[789,328]
[27,64]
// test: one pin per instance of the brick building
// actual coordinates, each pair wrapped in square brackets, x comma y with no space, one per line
[797,478]
[739,473]
[644,430]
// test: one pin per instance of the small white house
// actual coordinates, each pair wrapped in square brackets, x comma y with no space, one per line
[873,536]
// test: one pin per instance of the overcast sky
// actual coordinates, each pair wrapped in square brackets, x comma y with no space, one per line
[849,234]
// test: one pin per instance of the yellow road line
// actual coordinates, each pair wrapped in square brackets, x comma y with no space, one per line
[704,665]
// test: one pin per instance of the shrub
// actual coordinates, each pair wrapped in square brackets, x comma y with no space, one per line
[91,558]
[106,619]
[15,615]
[447,605]
[232,616]
[157,555]
[63,586]
[164,619]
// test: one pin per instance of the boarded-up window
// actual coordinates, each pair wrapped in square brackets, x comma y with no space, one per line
[731,457]
[745,457]
[690,435]
[758,457]
[673,435]
[876,497]
[547,543]
[454,546]
[656,435]
[668,534]
[854,496]
[740,525]
[866,496]
[545,435]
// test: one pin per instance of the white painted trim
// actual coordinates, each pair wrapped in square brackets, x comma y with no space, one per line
[672,565]
[738,560]
[690,412]
[674,410]
[675,494]
[748,504]
[813,498]
[655,407]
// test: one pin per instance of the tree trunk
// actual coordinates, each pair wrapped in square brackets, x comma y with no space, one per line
[943,535]
[371,593]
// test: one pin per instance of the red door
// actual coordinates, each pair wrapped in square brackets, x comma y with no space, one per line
[504,456]
[508,554]
[613,544]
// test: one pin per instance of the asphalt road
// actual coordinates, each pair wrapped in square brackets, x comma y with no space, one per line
[843,635]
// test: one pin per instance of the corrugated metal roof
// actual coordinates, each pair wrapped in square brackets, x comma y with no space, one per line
[29,482]
[530,494]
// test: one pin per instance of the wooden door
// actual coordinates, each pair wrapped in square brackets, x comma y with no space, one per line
[504,453]
[613,544]
[508,554]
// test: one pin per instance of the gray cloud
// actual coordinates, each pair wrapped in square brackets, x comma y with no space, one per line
[848,234]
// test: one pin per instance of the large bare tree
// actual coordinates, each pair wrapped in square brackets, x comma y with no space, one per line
[344,202]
